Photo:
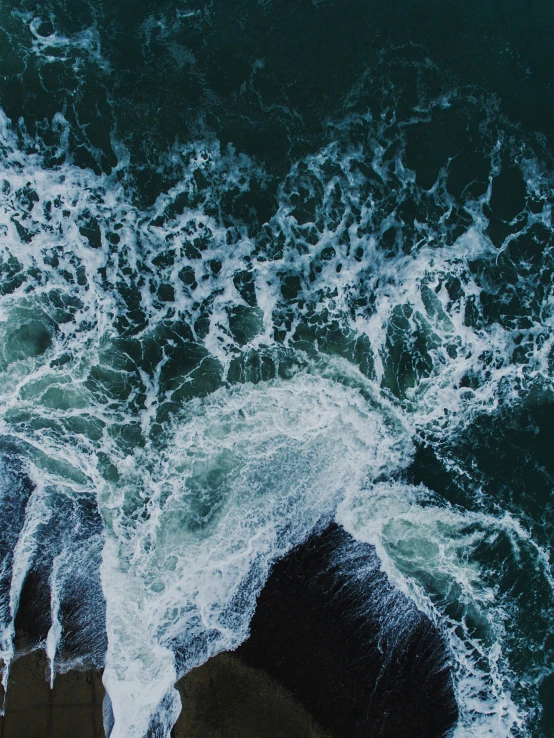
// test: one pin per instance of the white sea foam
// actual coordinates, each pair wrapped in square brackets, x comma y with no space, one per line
[122,330]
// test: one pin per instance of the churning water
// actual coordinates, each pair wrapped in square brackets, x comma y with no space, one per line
[222,326]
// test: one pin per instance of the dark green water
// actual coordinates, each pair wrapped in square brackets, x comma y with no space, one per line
[262,265]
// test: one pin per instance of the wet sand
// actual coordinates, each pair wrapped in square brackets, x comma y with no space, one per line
[224,698]
[228,699]
[72,709]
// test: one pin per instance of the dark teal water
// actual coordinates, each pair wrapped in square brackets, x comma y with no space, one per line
[264,265]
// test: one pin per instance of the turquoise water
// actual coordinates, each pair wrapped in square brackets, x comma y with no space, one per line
[263,268]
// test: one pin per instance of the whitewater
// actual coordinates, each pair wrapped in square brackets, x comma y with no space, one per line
[185,397]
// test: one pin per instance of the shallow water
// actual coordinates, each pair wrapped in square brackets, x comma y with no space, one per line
[263,268]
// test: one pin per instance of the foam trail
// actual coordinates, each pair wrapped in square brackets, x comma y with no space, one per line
[54,635]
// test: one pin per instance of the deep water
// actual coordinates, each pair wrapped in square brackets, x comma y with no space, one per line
[265,267]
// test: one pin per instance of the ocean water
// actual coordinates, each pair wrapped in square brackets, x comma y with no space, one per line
[264,266]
